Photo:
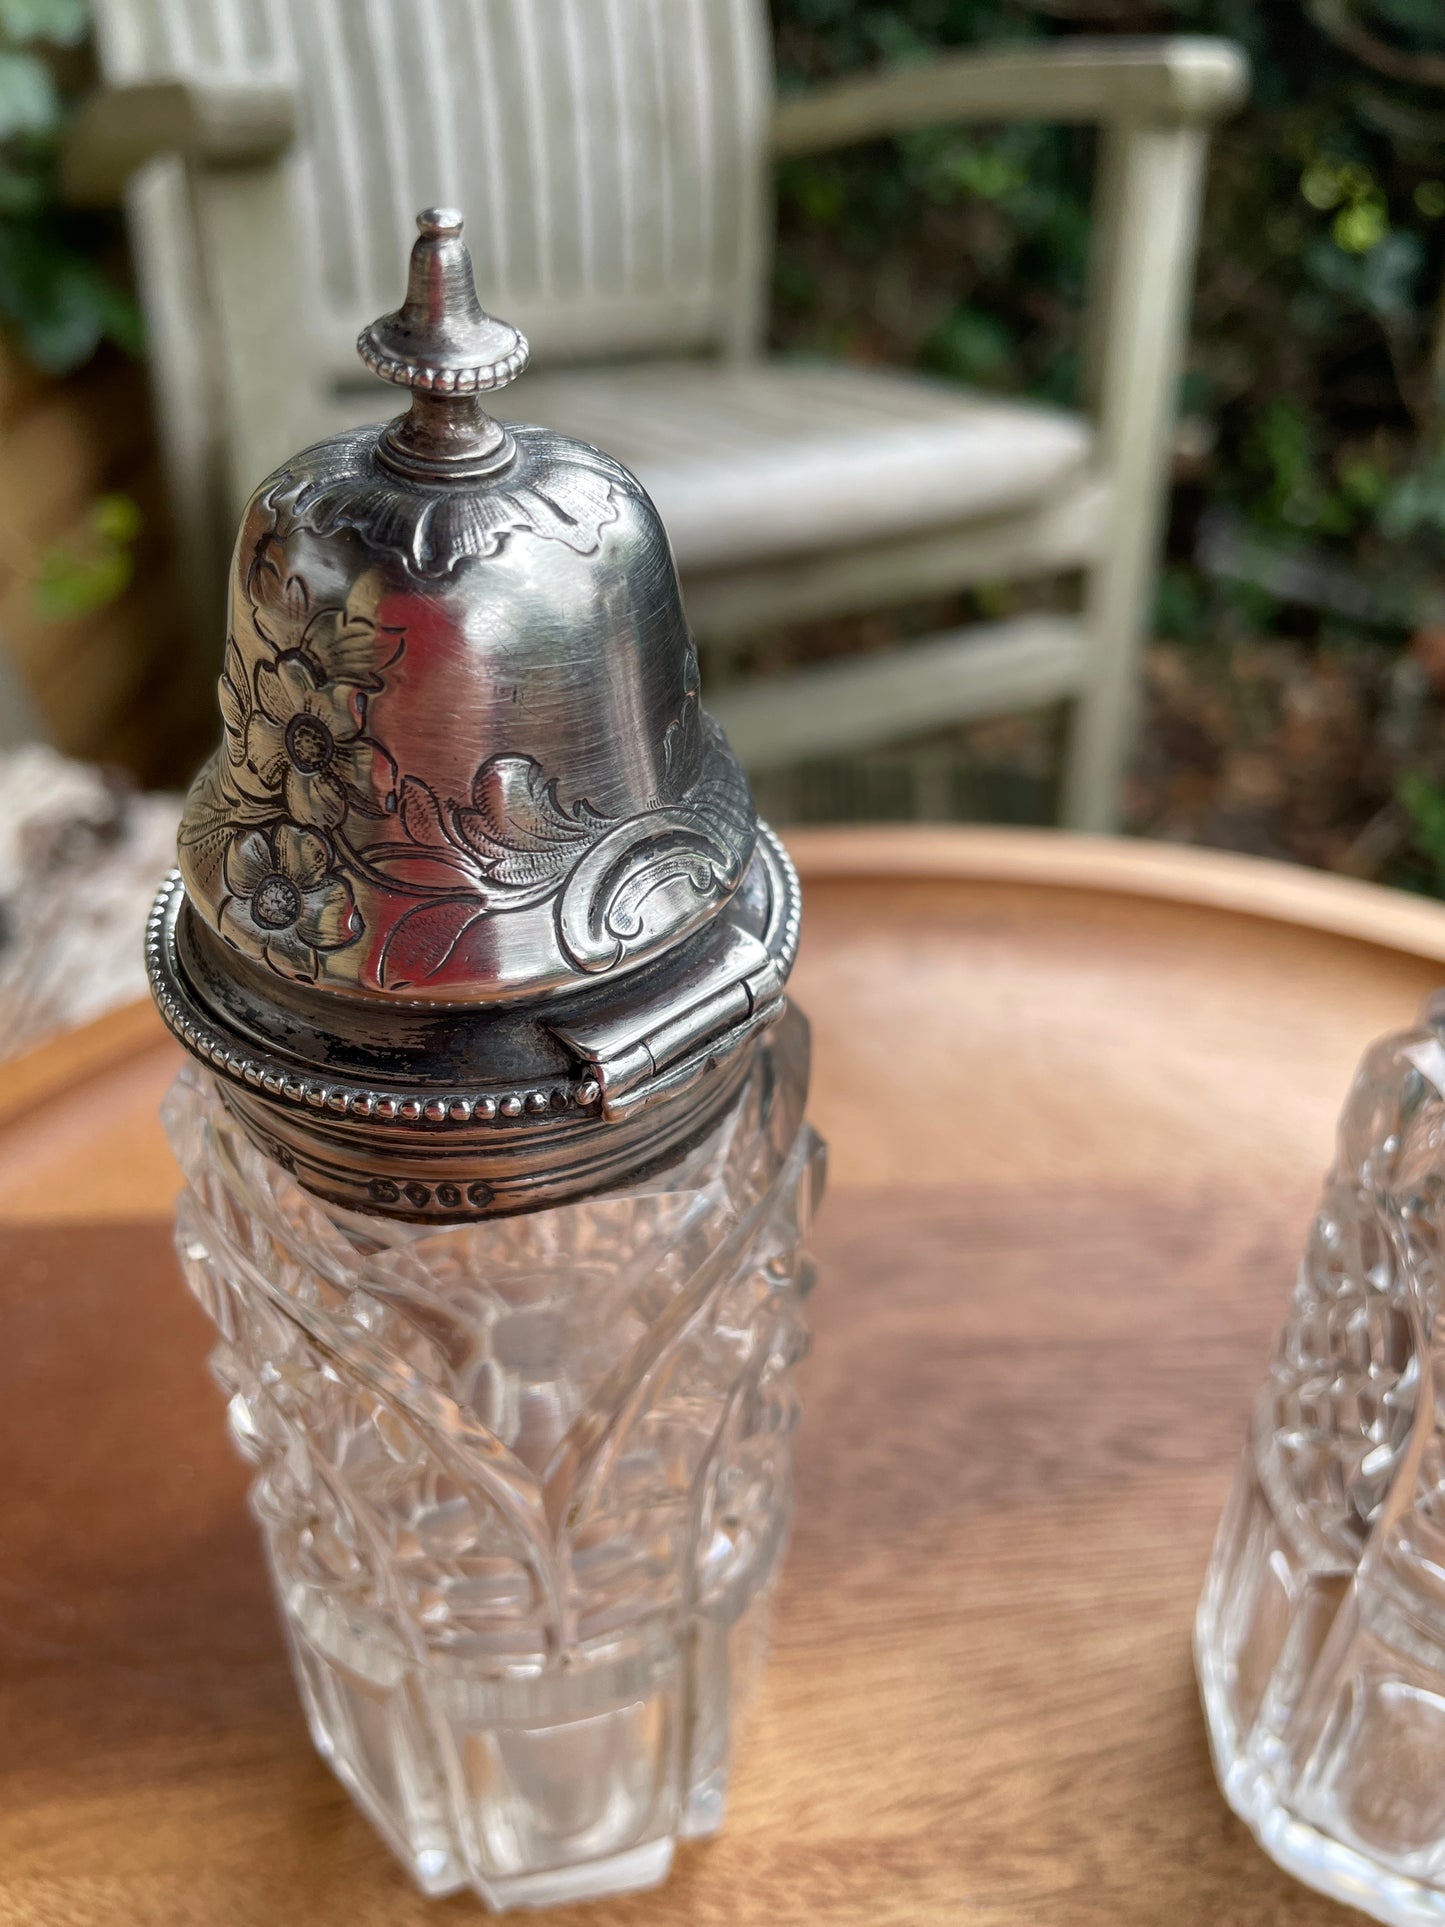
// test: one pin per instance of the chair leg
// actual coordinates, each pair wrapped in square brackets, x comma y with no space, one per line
[1118,600]
[1149,191]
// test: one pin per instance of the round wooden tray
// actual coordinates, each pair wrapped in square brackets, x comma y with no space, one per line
[1079,1097]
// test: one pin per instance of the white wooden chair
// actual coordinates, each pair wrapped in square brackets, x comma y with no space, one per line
[613,156]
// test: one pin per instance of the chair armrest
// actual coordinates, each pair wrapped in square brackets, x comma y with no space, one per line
[1166,82]
[221,123]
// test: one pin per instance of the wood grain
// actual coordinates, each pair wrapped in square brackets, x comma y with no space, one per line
[1076,1132]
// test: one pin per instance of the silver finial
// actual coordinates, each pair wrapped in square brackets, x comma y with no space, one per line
[441,338]
[443,345]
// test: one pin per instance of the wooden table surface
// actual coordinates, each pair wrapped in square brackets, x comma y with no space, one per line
[1079,1097]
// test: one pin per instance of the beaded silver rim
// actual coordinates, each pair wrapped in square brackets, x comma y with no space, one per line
[427,1110]
[277,1078]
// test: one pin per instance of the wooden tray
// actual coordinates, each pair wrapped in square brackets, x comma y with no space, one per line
[1080,1096]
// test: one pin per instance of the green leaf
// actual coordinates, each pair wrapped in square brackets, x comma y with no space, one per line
[59,301]
[1383,278]
[971,346]
[64,23]
[23,191]
[1363,483]
[116,518]
[1415,502]
[78,577]
[28,100]
[1424,803]
[120,315]
[1180,603]
[818,192]
[1420,19]
[1361,226]
[61,339]
[71,586]
[950,166]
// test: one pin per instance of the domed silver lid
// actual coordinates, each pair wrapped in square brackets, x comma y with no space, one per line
[472,880]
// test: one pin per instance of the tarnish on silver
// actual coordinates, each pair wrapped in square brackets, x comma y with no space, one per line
[473,911]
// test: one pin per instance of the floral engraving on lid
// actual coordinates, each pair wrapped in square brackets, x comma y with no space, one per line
[285,904]
[301,829]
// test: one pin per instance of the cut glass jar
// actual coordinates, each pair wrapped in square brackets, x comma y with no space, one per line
[1320,1639]
[523,1484]
[497,1171]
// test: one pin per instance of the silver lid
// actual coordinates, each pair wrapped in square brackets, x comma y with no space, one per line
[473,912]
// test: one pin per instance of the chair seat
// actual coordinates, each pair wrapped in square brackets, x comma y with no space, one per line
[751,463]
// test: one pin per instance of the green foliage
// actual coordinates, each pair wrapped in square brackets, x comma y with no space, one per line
[59,294]
[80,576]
[1423,803]
[1317,372]
[61,302]
[970,345]
[62,23]
[1322,261]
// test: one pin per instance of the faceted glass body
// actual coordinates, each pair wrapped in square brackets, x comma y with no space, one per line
[1320,1640]
[523,1485]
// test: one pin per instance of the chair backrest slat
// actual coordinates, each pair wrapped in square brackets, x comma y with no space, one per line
[610,154]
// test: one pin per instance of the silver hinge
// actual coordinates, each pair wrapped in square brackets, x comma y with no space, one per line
[638,1055]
